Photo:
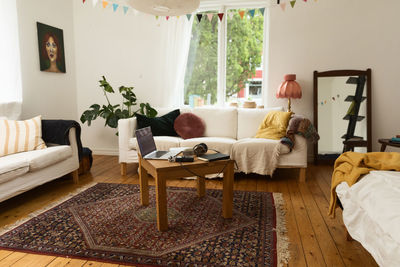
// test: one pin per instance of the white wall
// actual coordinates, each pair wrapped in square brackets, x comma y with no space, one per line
[339,34]
[128,50]
[52,95]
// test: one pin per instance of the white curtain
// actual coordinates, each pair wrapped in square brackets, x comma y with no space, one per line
[10,67]
[176,53]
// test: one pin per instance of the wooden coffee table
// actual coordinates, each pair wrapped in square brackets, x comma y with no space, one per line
[162,170]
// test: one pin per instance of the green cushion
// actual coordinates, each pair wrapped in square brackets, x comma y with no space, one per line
[160,126]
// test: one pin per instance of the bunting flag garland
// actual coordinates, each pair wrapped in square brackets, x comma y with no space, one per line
[251,12]
[115,6]
[241,13]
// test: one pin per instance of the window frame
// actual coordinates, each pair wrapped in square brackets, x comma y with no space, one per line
[222,48]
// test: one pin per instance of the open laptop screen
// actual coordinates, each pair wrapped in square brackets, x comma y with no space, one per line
[145,141]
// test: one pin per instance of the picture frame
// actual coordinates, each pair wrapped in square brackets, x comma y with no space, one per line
[51,48]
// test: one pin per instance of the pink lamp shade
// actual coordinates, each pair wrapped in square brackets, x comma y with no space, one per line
[289,88]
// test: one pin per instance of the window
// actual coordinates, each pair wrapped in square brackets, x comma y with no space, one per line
[225,58]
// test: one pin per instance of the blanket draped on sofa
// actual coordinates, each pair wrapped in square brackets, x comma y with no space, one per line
[350,166]
[57,131]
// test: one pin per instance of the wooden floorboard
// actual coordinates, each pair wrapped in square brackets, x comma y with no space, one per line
[315,238]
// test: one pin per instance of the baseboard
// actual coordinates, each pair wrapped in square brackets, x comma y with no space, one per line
[105,152]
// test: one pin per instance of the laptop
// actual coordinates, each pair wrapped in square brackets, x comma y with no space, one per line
[147,146]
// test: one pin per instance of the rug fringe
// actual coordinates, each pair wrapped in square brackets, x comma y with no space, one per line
[282,242]
[35,213]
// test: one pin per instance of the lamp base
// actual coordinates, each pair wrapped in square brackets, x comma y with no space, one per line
[289,109]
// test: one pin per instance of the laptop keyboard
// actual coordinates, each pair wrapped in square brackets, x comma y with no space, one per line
[160,153]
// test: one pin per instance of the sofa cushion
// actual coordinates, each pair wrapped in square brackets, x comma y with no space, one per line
[189,125]
[11,167]
[20,136]
[220,122]
[162,142]
[221,144]
[39,159]
[274,125]
[249,120]
[160,126]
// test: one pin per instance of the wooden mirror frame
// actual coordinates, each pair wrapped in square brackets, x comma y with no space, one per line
[341,73]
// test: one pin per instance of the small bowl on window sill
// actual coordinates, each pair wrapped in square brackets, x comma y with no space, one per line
[249,104]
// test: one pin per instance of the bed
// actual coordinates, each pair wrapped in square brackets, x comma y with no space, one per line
[371,214]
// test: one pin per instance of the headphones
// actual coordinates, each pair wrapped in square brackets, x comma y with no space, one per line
[200,149]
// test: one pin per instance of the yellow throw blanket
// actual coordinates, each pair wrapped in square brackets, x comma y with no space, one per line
[351,165]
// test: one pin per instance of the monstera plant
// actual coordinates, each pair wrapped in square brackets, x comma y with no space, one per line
[112,113]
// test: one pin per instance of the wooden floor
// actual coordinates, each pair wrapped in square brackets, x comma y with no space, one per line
[315,238]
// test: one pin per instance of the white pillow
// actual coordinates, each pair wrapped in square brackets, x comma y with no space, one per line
[20,136]
[249,120]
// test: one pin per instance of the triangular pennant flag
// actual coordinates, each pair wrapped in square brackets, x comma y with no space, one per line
[220,16]
[283,6]
[167,17]
[157,17]
[177,17]
[252,11]
[305,0]
[199,16]
[188,16]
[95,2]
[292,3]
[115,6]
[105,3]
[125,9]
[230,14]
[241,13]
[210,16]
[262,10]
[84,1]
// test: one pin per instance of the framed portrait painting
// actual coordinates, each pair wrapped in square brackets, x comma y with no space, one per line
[51,48]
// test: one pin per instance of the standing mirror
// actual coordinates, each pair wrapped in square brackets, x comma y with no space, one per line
[342,112]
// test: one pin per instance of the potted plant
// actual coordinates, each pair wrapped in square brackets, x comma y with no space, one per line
[112,113]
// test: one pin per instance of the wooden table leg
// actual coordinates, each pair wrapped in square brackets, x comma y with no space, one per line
[383,147]
[227,193]
[144,185]
[161,203]
[201,186]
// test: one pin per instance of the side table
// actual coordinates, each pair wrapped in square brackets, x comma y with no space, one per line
[386,142]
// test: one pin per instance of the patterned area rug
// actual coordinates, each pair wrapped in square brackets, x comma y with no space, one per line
[106,223]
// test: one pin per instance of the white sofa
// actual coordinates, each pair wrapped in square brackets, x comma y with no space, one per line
[226,129]
[23,171]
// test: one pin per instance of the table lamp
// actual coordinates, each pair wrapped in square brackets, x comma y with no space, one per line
[289,89]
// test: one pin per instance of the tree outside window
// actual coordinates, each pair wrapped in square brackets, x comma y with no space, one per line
[244,49]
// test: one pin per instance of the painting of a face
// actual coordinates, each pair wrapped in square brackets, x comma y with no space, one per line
[51,48]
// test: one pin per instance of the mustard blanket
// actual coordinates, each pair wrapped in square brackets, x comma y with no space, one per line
[351,165]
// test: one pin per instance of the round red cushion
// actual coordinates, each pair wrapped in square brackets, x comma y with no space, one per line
[188,125]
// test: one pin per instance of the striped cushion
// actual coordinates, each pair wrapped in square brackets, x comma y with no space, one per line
[20,136]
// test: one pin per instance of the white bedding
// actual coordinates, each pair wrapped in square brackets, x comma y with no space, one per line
[371,213]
